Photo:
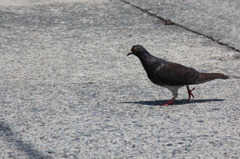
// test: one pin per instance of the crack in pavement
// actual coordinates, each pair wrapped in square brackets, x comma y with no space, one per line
[169,22]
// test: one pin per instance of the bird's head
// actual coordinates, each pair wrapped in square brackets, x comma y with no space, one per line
[137,50]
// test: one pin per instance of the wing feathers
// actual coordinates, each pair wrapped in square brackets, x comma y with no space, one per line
[174,74]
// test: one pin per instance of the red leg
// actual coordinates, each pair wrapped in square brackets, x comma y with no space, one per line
[190,93]
[168,103]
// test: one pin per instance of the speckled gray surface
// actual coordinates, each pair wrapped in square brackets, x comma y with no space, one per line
[68,90]
[218,19]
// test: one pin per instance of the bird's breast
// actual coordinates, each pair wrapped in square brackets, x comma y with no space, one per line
[154,80]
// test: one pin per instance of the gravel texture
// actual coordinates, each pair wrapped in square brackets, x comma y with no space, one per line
[218,19]
[68,89]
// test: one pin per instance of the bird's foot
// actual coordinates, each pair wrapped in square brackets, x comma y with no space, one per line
[190,93]
[168,103]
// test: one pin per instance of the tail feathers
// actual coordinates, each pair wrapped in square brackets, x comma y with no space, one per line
[205,77]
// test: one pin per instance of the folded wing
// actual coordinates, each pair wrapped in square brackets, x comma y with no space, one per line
[174,74]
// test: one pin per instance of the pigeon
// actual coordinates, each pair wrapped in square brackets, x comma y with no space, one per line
[171,75]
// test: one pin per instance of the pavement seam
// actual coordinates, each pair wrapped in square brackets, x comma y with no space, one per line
[167,21]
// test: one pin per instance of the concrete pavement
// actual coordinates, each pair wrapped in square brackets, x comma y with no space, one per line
[68,90]
[217,20]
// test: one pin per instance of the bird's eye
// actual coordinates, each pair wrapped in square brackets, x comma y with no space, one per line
[135,49]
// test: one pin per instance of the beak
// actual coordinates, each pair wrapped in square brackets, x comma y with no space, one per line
[129,53]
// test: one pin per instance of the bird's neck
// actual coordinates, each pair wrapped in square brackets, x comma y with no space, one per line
[146,59]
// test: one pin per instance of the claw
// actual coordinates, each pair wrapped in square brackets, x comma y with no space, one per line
[168,103]
[190,93]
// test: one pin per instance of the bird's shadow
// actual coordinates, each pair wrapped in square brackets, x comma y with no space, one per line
[176,102]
